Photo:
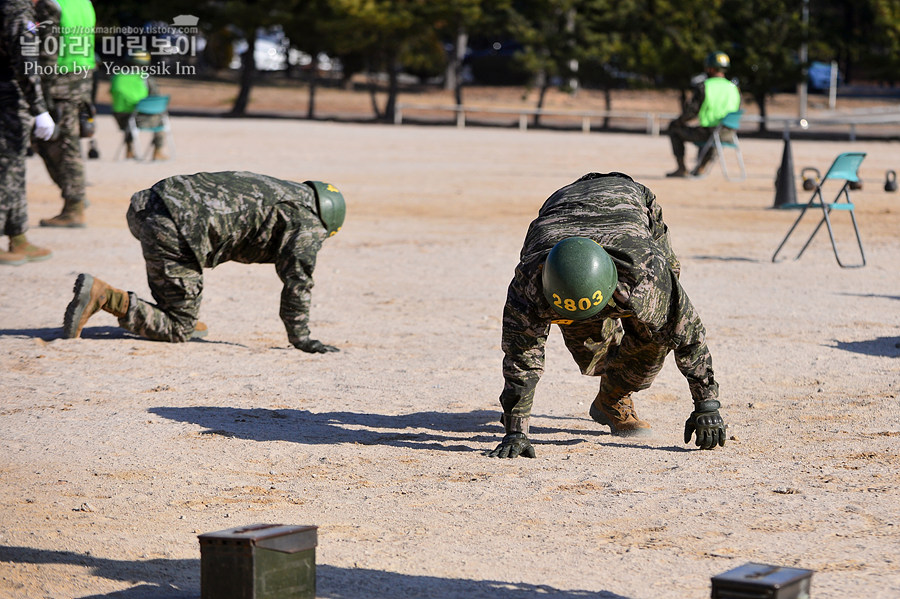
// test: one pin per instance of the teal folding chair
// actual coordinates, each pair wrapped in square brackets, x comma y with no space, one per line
[152,115]
[729,124]
[844,168]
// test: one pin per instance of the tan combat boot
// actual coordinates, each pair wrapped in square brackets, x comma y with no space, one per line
[129,150]
[619,416]
[200,330]
[18,244]
[158,154]
[91,296]
[72,216]
[12,259]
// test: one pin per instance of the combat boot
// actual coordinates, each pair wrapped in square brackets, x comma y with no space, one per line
[72,216]
[18,244]
[200,331]
[91,296]
[12,259]
[619,416]
[158,154]
[129,150]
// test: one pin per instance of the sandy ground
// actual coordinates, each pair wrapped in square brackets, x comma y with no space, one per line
[117,452]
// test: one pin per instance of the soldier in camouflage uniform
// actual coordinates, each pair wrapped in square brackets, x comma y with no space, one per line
[189,222]
[630,313]
[17,84]
[67,78]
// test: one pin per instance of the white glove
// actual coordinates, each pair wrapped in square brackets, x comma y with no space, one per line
[43,126]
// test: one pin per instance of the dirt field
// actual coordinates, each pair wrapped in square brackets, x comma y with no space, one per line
[117,452]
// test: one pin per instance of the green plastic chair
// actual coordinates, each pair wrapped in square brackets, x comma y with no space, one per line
[844,168]
[731,122]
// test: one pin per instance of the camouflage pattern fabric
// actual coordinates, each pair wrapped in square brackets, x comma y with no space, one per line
[190,222]
[66,93]
[16,84]
[649,315]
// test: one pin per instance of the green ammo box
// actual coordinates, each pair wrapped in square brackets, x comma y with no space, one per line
[260,561]
[762,581]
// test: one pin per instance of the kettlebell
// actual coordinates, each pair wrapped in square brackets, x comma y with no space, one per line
[890,181]
[809,183]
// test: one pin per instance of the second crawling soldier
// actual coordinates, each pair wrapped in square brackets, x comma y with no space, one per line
[190,222]
[597,262]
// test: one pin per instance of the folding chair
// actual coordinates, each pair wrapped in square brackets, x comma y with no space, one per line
[844,168]
[151,115]
[731,122]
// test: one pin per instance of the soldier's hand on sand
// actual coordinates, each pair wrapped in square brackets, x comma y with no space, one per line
[513,445]
[312,346]
[43,126]
[708,425]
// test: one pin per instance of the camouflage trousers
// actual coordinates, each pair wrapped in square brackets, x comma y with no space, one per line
[62,153]
[173,273]
[679,134]
[123,119]
[13,202]
[613,350]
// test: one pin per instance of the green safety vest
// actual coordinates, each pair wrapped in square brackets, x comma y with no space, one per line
[721,97]
[76,35]
[127,89]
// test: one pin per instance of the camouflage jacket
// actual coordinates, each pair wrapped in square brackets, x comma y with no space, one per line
[18,38]
[623,217]
[253,219]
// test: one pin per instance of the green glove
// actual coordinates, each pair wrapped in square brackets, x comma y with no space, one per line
[513,445]
[311,346]
[706,422]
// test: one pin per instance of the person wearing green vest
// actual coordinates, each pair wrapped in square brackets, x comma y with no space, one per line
[128,87]
[67,66]
[714,97]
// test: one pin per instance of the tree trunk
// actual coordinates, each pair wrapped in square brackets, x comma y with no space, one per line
[373,88]
[761,102]
[607,102]
[390,107]
[543,85]
[313,80]
[248,71]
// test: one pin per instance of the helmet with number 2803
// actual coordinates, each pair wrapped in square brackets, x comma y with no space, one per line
[578,278]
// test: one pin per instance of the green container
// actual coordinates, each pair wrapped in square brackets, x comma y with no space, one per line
[260,561]
[762,581]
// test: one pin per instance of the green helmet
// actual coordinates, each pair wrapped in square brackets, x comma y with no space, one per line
[717,60]
[579,278]
[330,205]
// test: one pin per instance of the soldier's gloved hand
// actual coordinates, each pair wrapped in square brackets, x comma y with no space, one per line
[43,126]
[706,422]
[513,445]
[312,346]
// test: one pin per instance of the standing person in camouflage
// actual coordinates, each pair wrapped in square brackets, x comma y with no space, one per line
[597,262]
[67,78]
[189,222]
[18,81]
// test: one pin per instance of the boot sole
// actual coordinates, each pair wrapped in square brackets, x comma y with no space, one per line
[13,262]
[71,226]
[600,418]
[75,309]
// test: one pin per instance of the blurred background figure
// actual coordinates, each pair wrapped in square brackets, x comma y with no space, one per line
[18,29]
[67,77]
[128,87]
[714,97]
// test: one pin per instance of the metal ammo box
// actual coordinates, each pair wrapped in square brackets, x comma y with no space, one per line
[260,561]
[762,581]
